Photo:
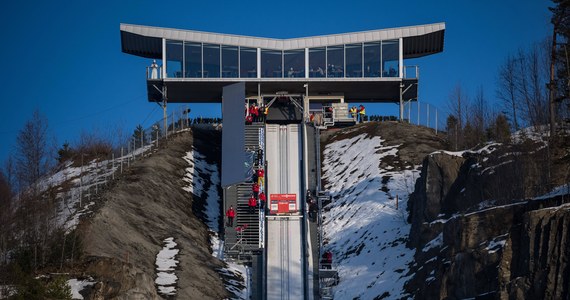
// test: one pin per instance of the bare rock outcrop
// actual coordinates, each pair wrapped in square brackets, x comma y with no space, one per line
[480,231]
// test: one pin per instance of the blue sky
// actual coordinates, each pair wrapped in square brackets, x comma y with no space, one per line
[64,57]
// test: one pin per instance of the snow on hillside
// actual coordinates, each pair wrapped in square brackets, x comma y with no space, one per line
[204,178]
[362,226]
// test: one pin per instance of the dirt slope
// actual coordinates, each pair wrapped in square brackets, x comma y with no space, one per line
[148,205]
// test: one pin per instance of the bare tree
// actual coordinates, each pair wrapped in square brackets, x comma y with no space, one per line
[507,91]
[32,159]
[5,216]
[479,116]
[457,106]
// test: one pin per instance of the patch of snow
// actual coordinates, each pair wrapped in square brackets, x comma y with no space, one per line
[537,134]
[436,242]
[165,266]
[77,286]
[198,173]
[497,243]
[239,289]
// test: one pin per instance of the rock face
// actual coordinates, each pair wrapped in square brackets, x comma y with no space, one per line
[477,234]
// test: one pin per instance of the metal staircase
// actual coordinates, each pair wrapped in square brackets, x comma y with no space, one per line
[249,239]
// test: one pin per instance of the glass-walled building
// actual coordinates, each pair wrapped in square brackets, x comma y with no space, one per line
[366,66]
[186,59]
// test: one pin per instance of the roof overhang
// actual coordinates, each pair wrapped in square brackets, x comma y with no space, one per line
[146,41]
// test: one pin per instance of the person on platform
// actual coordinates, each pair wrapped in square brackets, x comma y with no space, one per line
[262,199]
[251,203]
[361,113]
[261,113]
[231,213]
[254,112]
[154,70]
[248,120]
[353,112]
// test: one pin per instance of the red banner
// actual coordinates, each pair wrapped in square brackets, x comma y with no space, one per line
[282,203]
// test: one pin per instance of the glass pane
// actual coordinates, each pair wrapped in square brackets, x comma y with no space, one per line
[317,62]
[174,59]
[248,62]
[229,61]
[390,58]
[211,61]
[372,59]
[193,60]
[294,61]
[354,60]
[335,61]
[271,63]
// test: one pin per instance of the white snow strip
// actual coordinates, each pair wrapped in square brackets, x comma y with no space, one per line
[198,173]
[165,266]
[436,242]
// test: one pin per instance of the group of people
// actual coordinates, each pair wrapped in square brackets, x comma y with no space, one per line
[255,113]
[358,113]
[256,199]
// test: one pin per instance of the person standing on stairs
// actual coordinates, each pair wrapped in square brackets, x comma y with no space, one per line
[231,213]
[252,203]
[262,200]
[255,189]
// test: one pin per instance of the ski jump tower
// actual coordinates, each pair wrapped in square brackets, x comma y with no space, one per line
[299,77]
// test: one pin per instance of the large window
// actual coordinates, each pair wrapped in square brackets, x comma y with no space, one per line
[229,61]
[248,62]
[390,58]
[354,60]
[294,61]
[317,62]
[335,61]
[192,60]
[174,58]
[271,61]
[372,59]
[211,61]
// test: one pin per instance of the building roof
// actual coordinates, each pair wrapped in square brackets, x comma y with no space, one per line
[146,41]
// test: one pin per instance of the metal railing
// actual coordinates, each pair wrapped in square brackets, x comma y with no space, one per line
[424,114]
[154,72]
[411,72]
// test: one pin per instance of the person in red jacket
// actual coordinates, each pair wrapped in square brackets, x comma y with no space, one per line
[255,189]
[326,260]
[248,120]
[254,112]
[252,203]
[231,213]
[262,200]
[260,174]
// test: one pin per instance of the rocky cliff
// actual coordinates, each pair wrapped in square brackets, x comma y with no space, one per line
[479,229]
